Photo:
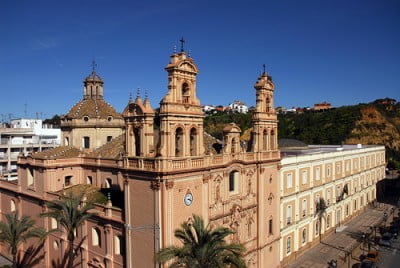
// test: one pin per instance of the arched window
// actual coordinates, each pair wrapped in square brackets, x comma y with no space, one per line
[117,245]
[12,205]
[54,223]
[179,142]
[272,140]
[66,141]
[234,145]
[89,180]
[96,237]
[193,142]
[108,183]
[265,140]
[136,133]
[185,93]
[304,236]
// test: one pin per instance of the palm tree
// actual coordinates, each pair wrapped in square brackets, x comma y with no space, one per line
[203,247]
[16,230]
[71,214]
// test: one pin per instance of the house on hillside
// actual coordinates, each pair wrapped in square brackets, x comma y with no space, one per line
[238,107]
[322,106]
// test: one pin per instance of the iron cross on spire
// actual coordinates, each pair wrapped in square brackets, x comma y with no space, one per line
[94,65]
[264,68]
[182,43]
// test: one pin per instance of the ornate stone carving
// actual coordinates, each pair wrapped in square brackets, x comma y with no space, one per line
[155,185]
[206,178]
[169,184]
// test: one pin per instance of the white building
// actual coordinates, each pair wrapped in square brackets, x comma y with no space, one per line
[24,136]
[208,108]
[322,187]
[239,107]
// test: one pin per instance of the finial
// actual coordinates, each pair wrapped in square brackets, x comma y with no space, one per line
[189,53]
[182,43]
[130,97]
[94,65]
[138,92]
[145,94]
[174,49]
[264,68]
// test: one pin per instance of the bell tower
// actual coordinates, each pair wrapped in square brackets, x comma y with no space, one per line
[181,116]
[139,134]
[264,120]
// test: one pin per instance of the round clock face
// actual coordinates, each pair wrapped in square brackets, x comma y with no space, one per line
[188,199]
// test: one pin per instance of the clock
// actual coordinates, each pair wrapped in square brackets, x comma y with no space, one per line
[188,199]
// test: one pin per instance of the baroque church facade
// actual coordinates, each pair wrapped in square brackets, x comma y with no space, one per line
[159,167]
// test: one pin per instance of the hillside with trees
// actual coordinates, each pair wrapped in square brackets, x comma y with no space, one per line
[377,122]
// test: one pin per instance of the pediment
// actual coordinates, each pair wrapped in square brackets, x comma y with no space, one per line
[188,66]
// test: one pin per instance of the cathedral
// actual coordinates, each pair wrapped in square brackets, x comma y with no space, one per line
[159,167]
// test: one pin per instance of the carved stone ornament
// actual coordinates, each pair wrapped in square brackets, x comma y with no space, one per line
[206,178]
[169,184]
[155,185]
[95,263]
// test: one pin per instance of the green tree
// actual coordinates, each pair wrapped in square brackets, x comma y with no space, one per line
[70,213]
[203,247]
[16,230]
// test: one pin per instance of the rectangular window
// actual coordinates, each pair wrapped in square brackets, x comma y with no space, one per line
[289,180]
[328,171]
[288,245]
[270,227]
[86,142]
[328,197]
[304,208]
[304,177]
[317,173]
[338,169]
[31,181]
[109,138]
[289,215]
[233,181]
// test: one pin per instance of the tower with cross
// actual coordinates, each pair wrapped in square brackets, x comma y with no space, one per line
[180,111]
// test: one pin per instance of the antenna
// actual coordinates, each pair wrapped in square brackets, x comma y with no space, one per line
[25,110]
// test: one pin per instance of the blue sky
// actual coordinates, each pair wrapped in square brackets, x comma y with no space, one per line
[343,52]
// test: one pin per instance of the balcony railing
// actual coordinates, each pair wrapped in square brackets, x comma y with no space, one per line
[159,164]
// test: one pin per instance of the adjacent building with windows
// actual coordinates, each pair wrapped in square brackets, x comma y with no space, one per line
[24,136]
[321,187]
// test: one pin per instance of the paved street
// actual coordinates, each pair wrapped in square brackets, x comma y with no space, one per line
[345,240]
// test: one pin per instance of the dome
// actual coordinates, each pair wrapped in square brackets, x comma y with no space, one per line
[93,77]
[93,108]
